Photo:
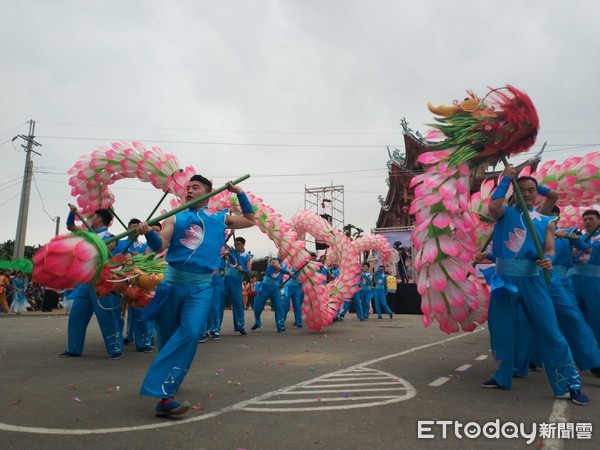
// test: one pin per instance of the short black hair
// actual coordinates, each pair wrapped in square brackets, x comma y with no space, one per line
[555,209]
[527,179]
[591,212]
[240,239]
[105,215]
[134,221]
[202,180]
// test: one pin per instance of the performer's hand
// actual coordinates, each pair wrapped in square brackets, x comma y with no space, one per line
[560,234]
[142,228]
[233,188]
[73,208]
[480,256]
[510,171]
[545,264]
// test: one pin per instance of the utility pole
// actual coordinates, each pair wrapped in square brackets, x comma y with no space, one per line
[19,248]
[57,229]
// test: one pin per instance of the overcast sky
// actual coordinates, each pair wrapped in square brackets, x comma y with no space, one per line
[303,93]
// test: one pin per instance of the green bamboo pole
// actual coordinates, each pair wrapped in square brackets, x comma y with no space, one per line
[130,243]
[178,209]
[528,222]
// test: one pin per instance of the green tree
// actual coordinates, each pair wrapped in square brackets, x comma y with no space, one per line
[352,231]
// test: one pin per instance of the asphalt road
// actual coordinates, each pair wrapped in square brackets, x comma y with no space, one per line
[355,385]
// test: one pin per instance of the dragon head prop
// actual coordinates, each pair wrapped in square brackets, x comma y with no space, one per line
[477,130]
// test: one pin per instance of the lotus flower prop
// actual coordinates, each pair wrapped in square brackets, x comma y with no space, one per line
[321,299]
[472,132]
[92,174]
[69,260]
[576,179]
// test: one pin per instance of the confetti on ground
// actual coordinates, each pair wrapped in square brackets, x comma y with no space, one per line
[281,364]
[109,390]
[312,369]
[396,380]
[118,388]
[318,399]
[307,350]
[198,406]
[209,395]
[239,390]
[73,388]
[221,370]
[352,340]
[345,395]
[517,398]
[16,402]
[77,399]
[540,444]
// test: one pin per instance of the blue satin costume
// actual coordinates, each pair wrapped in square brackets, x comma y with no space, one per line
[107,310]
[271,288]
[183,300]
[518,279]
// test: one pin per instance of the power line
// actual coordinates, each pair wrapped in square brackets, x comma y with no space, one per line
[52,218]
[216,130]
[234,144]
[13,197]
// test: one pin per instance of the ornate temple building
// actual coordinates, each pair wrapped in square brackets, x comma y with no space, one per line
[403,166]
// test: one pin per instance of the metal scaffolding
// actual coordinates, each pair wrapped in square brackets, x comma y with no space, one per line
[328,202]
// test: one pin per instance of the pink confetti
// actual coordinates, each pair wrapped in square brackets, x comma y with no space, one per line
[77,399]
[318,399]
[396,380]
[221,370]
[109,390]
[209,395]
[198,406]
[16,402]
[281,364]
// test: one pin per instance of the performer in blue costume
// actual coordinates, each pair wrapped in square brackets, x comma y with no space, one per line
[518,279]
[271,288]
[182,302]
[86,302]
[379,293]
[239,263]
[137,330]
[366,290]
[215,316]
[293,294]
[586,271]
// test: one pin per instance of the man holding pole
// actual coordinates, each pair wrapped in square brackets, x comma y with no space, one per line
[182,302]
[519,280]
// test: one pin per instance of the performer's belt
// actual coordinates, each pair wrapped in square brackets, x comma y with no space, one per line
[182,278]
[561,271]
[586,270]
[232,272]
[271,281]
[517,267]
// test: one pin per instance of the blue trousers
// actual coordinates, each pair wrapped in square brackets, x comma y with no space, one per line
[108,314]
[178,327]
[142,330]
[365,297]
[381,302]
[217,306]
[534,296]
[357,306]
[272,291]
[295,295]
[233,288]
[587,291]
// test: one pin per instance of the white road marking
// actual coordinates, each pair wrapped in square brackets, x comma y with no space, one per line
[236,407]
[463,368]
[558,415]
[481,358]
[439,381]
